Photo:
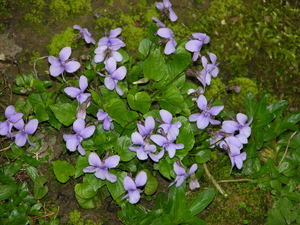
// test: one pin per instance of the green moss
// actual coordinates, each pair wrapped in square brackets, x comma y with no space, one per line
[215,89]
[235,101]
[62,40]
[75,218]
[62,9]
[35,12]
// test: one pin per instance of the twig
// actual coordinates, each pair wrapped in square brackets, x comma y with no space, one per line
[287,147]
[35,73]
[231,181]
[4,149]
[214,181]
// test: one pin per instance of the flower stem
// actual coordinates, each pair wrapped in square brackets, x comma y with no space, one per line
[214,181]
[287,147]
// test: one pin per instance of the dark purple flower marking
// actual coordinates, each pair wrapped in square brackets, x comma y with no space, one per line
[166,8]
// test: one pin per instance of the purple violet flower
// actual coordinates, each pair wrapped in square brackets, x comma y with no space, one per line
[233,148]
[107,120]
[108,46]
[181,174]
[73,141]
[159,24]
[171,44]
[78,93]
[21,137]
[148,128]
[196,45]
[114,76]
[85,34]
[100,167]
[203,119]
[12,118]
[169,127]
[167,143]
[194,183]
[132,187]
[61,64]
[209,70]
[143,148]
[166,5]
[239,124]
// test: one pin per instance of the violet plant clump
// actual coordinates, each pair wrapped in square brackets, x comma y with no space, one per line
[142,117]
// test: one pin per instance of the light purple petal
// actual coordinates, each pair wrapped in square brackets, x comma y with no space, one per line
[170,47]
[193,169]
[72,66]
[194,184]
[100,173]
[114,33]
[110,83]
[94,160]
[56,70]
[178,169]
[90,169]
[65,54]
[180,181]
[241,118]
[119,74]
[116,56]
[20,139]
[72,91]
[83,83]
[165,33]
[158,156]
[159,6]
[101,115]
[112,161]
[9,111]
[194,117]
[103,42]
[72,143]
[166,116]
[173,16]
[158,139]
[31,126]
[193,45]
[110,65]
[78,125]
[230,126]
[129,184]
[202,102]
[141,154]
[134,196]
[141,179]
[203,121]
[87,132]
[81,149]
[215,110]
[137,138]
[110,177]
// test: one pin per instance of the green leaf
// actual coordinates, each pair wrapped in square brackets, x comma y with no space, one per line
[64,112]
[121,147]
[118,111]
[63,170]
[193,221]
[144,46]
[117,189]
[81,163]
[151,216]
[165,219]
[177,201]
[39,190]
[7,190]
[85,190]
[154,66]
[199,203]
[141,101]
[85,203]
[203,156]
[40,112]
[30,160]
[32,172]
[152,183]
